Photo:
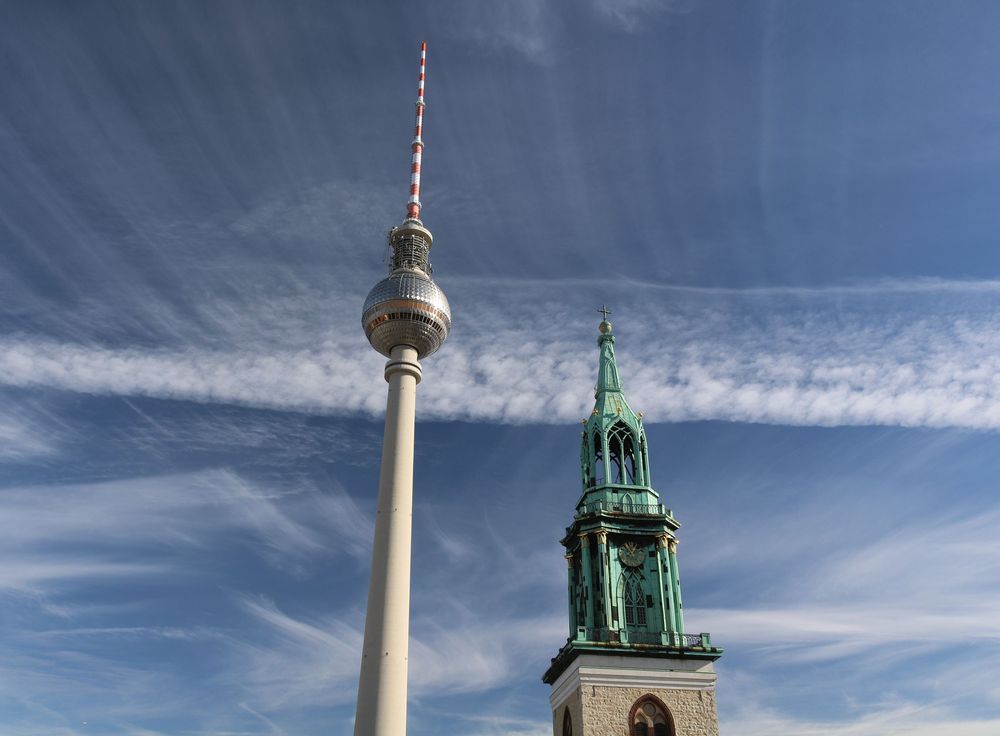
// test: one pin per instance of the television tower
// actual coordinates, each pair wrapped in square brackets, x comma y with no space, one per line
[406,317]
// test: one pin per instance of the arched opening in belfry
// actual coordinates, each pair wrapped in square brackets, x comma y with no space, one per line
[598,470]
[621,454]
[567,729]
[650,717]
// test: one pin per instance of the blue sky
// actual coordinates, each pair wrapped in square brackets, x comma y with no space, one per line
[789,206]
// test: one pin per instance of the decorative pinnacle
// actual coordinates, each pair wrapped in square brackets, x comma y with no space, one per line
[413,205]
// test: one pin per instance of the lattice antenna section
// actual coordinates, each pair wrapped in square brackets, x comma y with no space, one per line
[410,249]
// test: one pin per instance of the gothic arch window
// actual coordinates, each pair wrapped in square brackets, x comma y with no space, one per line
[633,599]
[621,453]
[567,724]
[650,717]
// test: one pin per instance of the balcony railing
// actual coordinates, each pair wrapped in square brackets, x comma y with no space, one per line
[636,509]
[663,638]
[593,483]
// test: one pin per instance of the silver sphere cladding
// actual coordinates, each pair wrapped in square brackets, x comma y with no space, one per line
[407,308]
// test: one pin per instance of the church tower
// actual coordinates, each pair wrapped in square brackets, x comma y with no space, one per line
[628,667]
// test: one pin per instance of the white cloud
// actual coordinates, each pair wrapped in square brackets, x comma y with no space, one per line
[310,216]
[20,440]
[314,662]
[64,534]
[904,719]
[28,572]
[629,14]
[912,591]
[296,661]
[906,612]
[526,27]
[923,356]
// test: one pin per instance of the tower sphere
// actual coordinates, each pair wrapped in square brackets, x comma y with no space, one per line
[407,308]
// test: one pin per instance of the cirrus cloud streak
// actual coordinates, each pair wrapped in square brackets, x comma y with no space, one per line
[932,361]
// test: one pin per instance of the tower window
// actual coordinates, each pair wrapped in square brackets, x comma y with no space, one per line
[567,724]
[635,600]
[650,717]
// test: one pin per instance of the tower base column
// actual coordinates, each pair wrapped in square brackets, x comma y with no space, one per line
[381,709]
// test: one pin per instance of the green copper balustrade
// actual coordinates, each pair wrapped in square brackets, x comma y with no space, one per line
[626,636]
[637,509]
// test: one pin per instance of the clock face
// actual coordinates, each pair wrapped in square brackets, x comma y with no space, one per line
[631,554]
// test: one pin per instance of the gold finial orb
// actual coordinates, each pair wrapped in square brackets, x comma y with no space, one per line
[604,327]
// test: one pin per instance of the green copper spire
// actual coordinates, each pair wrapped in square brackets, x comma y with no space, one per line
[614,442]
[623,579]
[607,374]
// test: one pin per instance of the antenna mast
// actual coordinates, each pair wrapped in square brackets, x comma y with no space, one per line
[413,205]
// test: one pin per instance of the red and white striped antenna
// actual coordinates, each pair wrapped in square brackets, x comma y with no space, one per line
[413,205]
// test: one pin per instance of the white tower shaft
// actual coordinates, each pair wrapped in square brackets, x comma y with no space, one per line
[381,709]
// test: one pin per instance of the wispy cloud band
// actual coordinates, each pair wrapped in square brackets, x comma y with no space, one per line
[929,359]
